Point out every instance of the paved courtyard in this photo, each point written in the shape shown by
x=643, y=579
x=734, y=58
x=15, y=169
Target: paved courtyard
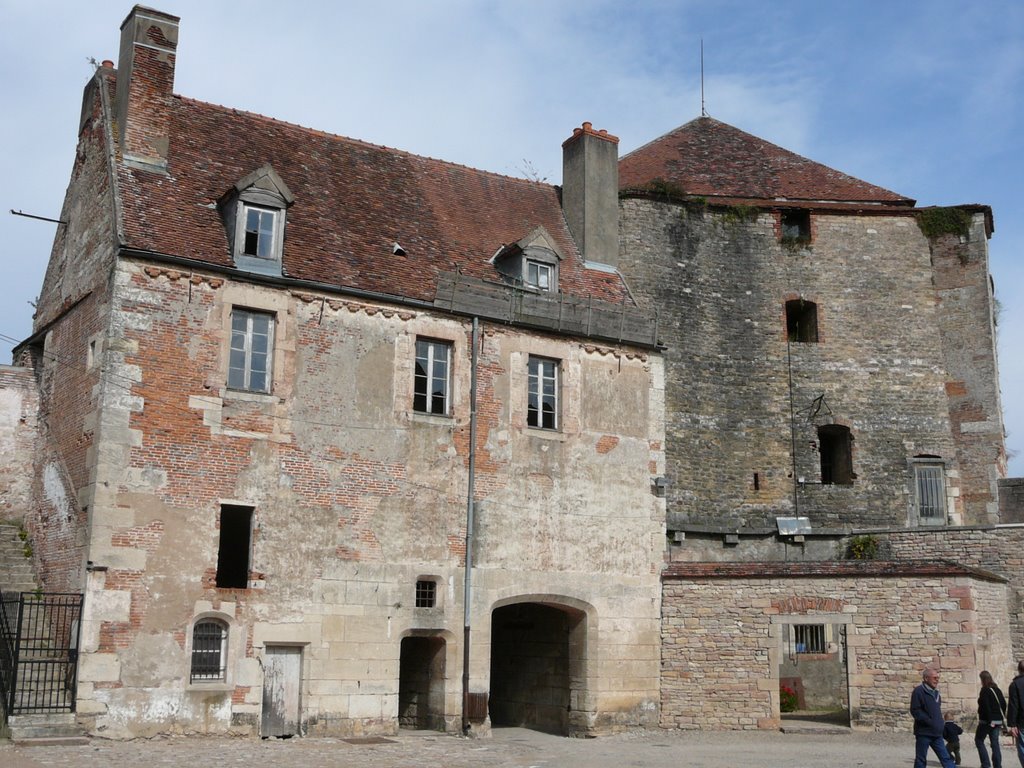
x=507, y=748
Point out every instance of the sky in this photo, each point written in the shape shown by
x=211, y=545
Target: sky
x=922, y=97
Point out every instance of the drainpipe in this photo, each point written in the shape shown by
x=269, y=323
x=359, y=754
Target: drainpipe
x=470, y=505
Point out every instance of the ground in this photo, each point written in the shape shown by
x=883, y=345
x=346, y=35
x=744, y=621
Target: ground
x=508, y=748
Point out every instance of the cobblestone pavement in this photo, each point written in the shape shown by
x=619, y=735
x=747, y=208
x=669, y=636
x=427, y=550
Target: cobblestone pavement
x=506, y=748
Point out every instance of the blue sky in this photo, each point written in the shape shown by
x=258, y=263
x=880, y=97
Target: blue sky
x=919, y=96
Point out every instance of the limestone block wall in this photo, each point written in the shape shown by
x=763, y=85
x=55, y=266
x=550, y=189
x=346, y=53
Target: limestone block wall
x=355, y=498
x=721, y=634
x=720, y=279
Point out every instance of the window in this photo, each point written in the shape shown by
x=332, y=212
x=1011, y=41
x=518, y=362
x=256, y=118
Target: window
x=809, y=638
x=802, y=321
x=252, y=339
x=235, y=546
x=539, y=275
x=209, y=651
x=542, y=401
x=259, y=232
x=835, y=447
x=796, y=226
x=930, y=493
x=432, y=380
x=426, y=593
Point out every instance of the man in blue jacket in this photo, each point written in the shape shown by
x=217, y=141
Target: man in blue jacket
x=926, y=707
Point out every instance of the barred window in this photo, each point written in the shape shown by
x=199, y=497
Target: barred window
x=426, y=593
x=809, y=638
x=209, y=650
x=930, y=493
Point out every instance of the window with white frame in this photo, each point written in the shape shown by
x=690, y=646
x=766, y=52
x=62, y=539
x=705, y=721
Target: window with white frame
x=259, y=237
x=542, y=397
x=539, y=275
x=252, y=340
x=930, y=492
x=209, y=651
x=432, y=379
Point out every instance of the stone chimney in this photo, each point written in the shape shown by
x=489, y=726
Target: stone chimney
x=145, y=80
x=590, y=192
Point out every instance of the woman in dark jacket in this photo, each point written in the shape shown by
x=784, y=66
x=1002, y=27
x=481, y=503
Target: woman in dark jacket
x=991, y=715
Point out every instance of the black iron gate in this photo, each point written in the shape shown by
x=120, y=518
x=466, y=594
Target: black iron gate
x=39, y=651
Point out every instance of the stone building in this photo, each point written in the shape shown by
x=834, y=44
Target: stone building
x=335, y=439
x=346, y=437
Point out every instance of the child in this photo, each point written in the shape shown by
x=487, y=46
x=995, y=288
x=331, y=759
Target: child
x=951, y=733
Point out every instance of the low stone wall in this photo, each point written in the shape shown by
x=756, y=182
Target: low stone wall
x=722, y=632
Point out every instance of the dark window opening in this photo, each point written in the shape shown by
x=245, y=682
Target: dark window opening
x=835, y=444
x=426, y=593
x=796, y=226
x=802, y=321
x=259, y=232
x=209, y=646
x=235, y=546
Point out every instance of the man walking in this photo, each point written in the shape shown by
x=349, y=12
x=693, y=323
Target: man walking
x=1015, y=710
x=926, y=707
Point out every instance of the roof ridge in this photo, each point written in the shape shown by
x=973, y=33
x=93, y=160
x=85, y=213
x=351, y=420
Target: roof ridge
x=358, y=142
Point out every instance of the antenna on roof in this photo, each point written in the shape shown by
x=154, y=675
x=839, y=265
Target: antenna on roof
x=703, y=112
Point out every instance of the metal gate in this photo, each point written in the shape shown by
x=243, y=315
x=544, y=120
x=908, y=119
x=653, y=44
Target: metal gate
x=39, y=651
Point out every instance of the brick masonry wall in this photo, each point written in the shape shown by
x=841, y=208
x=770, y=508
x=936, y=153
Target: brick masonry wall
x=722, y=644
x=721, y=282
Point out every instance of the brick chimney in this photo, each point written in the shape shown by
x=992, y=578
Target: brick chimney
x=145, y=80
x=590, y=192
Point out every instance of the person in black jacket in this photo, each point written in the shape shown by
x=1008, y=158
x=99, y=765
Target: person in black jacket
x=926, y=708
x=1015, y=712
x=951, y=733
x=991, y=709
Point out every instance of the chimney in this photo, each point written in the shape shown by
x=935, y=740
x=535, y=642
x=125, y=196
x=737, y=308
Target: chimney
x=590, y=192
x=145, y=80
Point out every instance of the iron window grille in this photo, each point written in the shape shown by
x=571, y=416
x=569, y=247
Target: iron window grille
x=209, y=651
x=426, y=593
x=809, y=638
x=930, y=484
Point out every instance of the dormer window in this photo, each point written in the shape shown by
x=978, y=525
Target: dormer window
x=259, y=232
x=539, y=275
x=254, y=217
x=530, y=263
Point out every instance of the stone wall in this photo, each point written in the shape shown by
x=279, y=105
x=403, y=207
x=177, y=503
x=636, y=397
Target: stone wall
x=355, y=497
x=722, y=636
x=1011, y=500
x=720, y=279
x=19, y=402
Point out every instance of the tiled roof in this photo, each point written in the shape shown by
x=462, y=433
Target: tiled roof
x=353, y=201
x=709, y=158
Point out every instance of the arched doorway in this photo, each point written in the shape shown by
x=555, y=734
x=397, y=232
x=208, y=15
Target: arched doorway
x=537, y=666
x=421, y=672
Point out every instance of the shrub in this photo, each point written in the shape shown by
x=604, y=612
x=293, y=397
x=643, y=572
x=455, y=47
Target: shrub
x=787, y=699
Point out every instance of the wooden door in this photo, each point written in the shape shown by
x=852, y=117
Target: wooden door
x=282, y=672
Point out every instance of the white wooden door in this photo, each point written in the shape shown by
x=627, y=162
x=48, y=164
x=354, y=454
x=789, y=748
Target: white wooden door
x=282, y=672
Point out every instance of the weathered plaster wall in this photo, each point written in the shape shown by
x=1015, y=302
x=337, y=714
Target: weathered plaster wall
x=722, y=643
x=720, y=280
x=355, y=498
x=19, y=402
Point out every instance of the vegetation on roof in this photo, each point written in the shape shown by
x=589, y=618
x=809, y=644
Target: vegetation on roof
x=935, y=222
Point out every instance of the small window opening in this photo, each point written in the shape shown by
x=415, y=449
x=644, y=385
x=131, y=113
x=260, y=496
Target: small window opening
x=235, y=546
x=835, y=447
x=757, y=482
x=930, y=492
x=539, y=275
x=802, y=321
x=259, y=232
x=809, y=638
x=796, y=226
x=209, y=650
x=426, y=593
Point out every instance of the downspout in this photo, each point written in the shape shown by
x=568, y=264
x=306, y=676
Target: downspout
x=468, y=589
